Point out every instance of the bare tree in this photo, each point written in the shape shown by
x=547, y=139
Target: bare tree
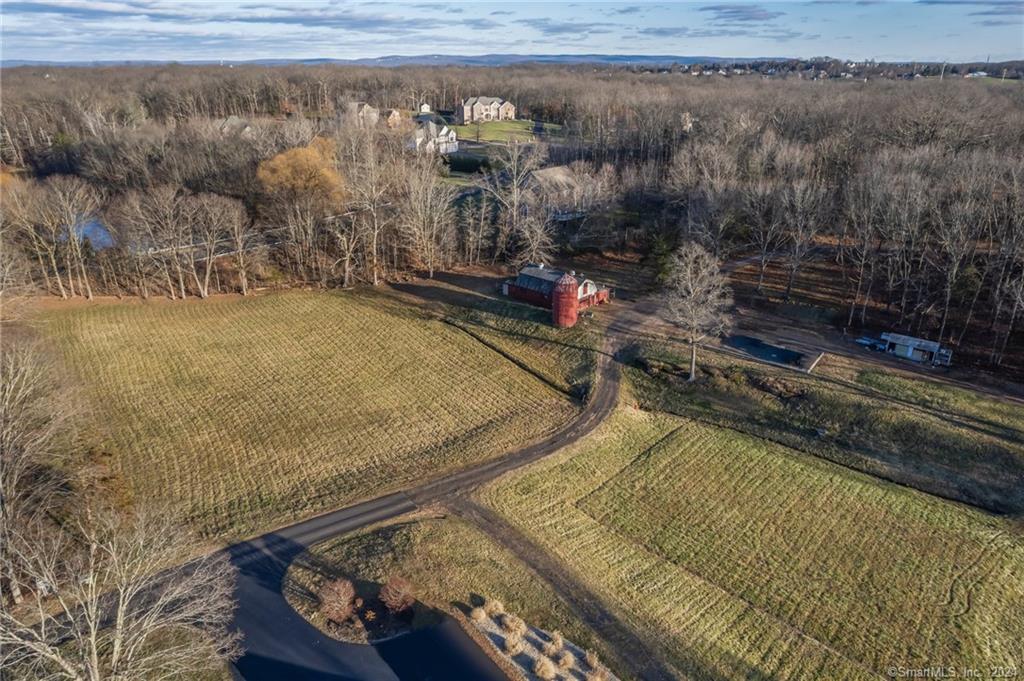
x=804, y=205
x=370, y=169
x=509, y=187
x=954, y=239
x=764, y=217
x=242, y=237
x=24, y=208
x=697, y=297
x=536, y=242
x=70, y=204
x=105, y=604
x=864, y=211
x=35, y=412
x=427, y=213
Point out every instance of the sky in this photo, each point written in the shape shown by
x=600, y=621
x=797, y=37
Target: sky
x=183, y=30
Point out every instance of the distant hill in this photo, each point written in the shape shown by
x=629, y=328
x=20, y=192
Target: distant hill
x=427, y=59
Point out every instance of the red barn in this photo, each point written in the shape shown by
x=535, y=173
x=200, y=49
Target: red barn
x=564, y=293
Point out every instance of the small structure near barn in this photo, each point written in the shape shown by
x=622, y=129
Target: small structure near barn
x=917, y=349
x=564, y=293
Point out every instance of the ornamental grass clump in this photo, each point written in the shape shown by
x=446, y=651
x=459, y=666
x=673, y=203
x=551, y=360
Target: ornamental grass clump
x=554, y=644
x=514, y=645
x=544, y=669
x=493, y=607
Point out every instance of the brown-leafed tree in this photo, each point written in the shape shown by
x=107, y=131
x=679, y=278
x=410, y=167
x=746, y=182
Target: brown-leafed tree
x=336, y=599
x=697, y=297
x=397, y=594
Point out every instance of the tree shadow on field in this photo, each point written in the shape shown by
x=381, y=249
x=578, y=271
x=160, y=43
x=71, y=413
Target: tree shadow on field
x=440, y=294
x=470, y=282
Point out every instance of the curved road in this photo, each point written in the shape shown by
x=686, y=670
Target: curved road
x=280, y=644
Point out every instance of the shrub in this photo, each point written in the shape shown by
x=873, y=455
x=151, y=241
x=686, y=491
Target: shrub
x=593, y=661
x=544, y=669
x=477, y=614
x=596, y=675
x=566, y=660
x=513, y=644
x=493, y=607
x=396, y=594
x=336, y=598
x=513, y=624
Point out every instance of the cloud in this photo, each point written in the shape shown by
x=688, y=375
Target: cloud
x=551, y=27
x=481, y=24
x=740, y=14
x=988, y=7
x=686, y=32
x=500, y=12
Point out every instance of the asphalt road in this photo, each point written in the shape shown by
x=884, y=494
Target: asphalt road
x=280, y=644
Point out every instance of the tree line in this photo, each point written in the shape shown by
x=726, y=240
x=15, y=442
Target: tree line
x=912, y=189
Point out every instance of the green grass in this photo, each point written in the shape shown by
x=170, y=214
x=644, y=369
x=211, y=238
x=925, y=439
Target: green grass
x=567, y=358
x=738, y=557
x=961, y=457
x=451, y=565
x=244, y=413
x=1007, y=415
x=503, y=131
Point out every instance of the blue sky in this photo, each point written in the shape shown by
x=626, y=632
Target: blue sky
x=933, y=30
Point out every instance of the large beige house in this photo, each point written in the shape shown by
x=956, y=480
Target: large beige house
x=485, y=109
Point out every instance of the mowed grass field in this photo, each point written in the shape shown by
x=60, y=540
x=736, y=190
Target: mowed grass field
x=243, y=413
x=741, y=558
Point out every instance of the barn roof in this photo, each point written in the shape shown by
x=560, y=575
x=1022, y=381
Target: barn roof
x=538, y=278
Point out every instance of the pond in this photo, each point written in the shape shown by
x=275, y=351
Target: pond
x=761, y=350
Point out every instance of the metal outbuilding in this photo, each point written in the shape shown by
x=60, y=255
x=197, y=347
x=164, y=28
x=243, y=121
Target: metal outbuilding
x=917, y=349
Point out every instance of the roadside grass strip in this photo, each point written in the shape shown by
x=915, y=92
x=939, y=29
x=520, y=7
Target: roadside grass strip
x=738, y=557
x=242, y=413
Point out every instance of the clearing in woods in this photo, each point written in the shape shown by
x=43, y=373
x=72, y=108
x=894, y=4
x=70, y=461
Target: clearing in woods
x=243, y=413
x=738, y=557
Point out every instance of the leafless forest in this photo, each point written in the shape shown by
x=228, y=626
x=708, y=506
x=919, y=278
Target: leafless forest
x=914, y=190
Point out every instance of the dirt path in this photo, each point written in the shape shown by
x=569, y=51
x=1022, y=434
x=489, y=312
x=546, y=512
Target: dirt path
x=630, y=649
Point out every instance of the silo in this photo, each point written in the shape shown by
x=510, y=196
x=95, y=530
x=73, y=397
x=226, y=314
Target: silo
x=565, y=301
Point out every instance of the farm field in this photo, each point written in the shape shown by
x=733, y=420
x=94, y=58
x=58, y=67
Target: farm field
x=242, y=413
x=564, y=358
x=504, y=131
x=974, y=454
x=738, y=557
x=452, y=566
